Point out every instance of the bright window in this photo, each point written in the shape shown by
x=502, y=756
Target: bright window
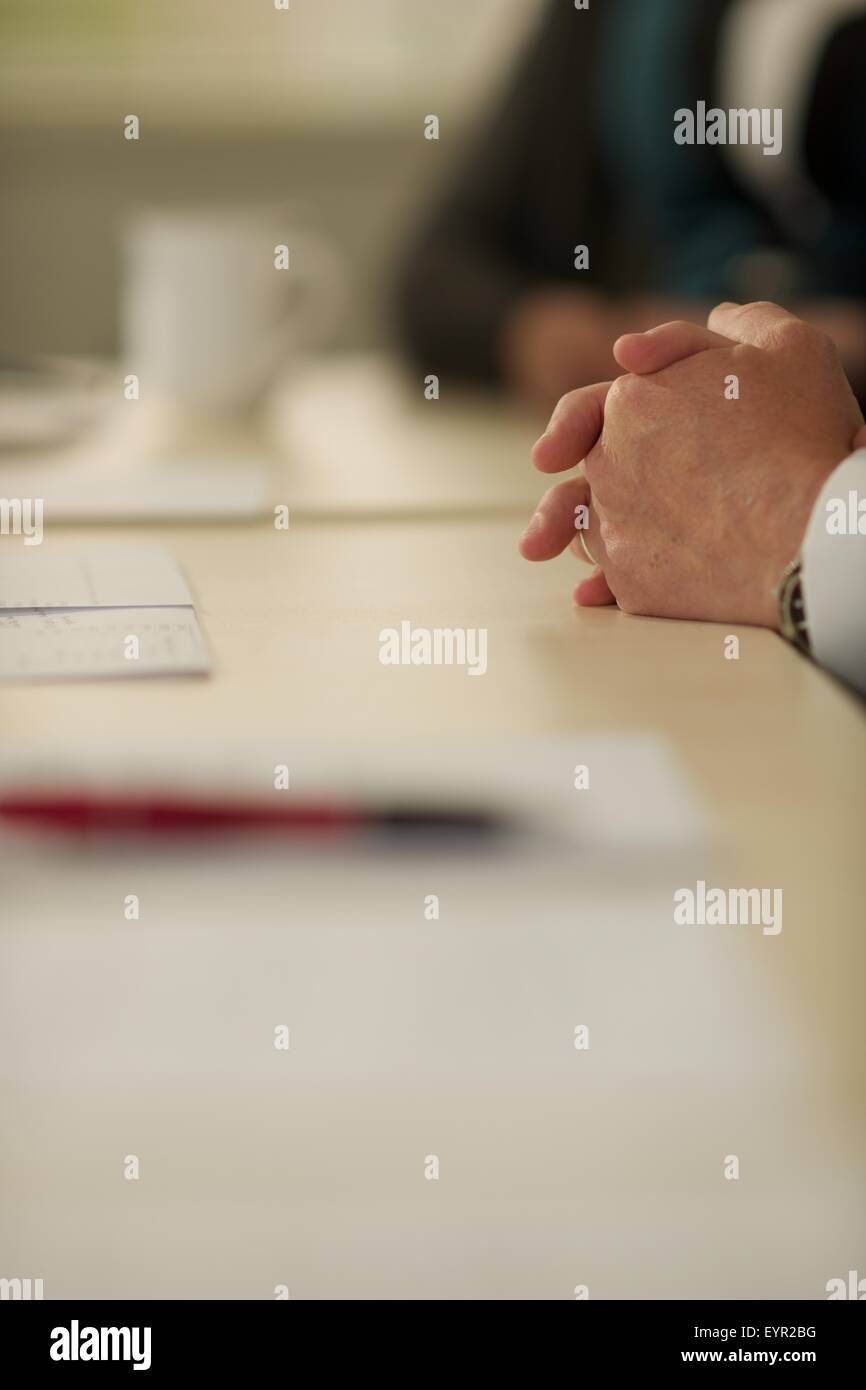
x=230, y=61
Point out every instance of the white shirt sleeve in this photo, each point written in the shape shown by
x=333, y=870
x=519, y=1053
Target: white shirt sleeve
x=834, y=573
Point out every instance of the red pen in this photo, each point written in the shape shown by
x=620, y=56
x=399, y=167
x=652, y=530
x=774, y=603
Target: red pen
x=167, y=815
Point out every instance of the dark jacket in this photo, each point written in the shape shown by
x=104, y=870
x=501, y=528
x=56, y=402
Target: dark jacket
x=579, y=150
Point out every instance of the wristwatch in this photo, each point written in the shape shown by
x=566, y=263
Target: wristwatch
x=792, y=609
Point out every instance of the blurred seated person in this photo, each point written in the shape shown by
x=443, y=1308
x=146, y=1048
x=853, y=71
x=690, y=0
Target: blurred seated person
x=581, y=152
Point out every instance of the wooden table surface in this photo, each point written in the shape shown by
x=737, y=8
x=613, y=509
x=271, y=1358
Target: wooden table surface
x=776, y=748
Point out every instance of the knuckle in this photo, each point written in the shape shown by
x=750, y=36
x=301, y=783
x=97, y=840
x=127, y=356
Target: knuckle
x=623, y=389
x=823, y=344
x=610, y=538
x=796, y=331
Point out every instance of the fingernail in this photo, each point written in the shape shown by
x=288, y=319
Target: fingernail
x=535, y=524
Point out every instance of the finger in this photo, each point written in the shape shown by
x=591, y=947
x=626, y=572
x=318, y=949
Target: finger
x=661, y=347
x=757, y=323
x=859, y=440
x=552, y=528
x=574, y=427
x=593, y=592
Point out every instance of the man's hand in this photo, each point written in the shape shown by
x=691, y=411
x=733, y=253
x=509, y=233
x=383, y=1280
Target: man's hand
x=701, y=466
x=556, y=337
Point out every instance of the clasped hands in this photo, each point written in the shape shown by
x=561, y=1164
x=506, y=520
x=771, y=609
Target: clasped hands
x=701, y=465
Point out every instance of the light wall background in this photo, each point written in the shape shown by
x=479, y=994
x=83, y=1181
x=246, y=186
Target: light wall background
x=324, y=103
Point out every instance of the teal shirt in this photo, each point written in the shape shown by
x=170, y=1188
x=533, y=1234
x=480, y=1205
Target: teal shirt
x=657, y=56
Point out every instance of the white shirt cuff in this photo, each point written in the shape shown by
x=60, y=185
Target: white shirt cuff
x=834, y=573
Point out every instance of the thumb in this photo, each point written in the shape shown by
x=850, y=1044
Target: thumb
x=859, y=440
x=641, y=353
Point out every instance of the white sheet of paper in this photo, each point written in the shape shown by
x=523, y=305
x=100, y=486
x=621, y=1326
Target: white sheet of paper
x=642, y=804
x=104, y=576
x=70, y=643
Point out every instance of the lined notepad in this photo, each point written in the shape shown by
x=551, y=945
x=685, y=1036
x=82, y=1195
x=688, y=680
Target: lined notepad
x=69, y=612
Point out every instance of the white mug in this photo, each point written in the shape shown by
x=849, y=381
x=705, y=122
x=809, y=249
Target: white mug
x=215, y=299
